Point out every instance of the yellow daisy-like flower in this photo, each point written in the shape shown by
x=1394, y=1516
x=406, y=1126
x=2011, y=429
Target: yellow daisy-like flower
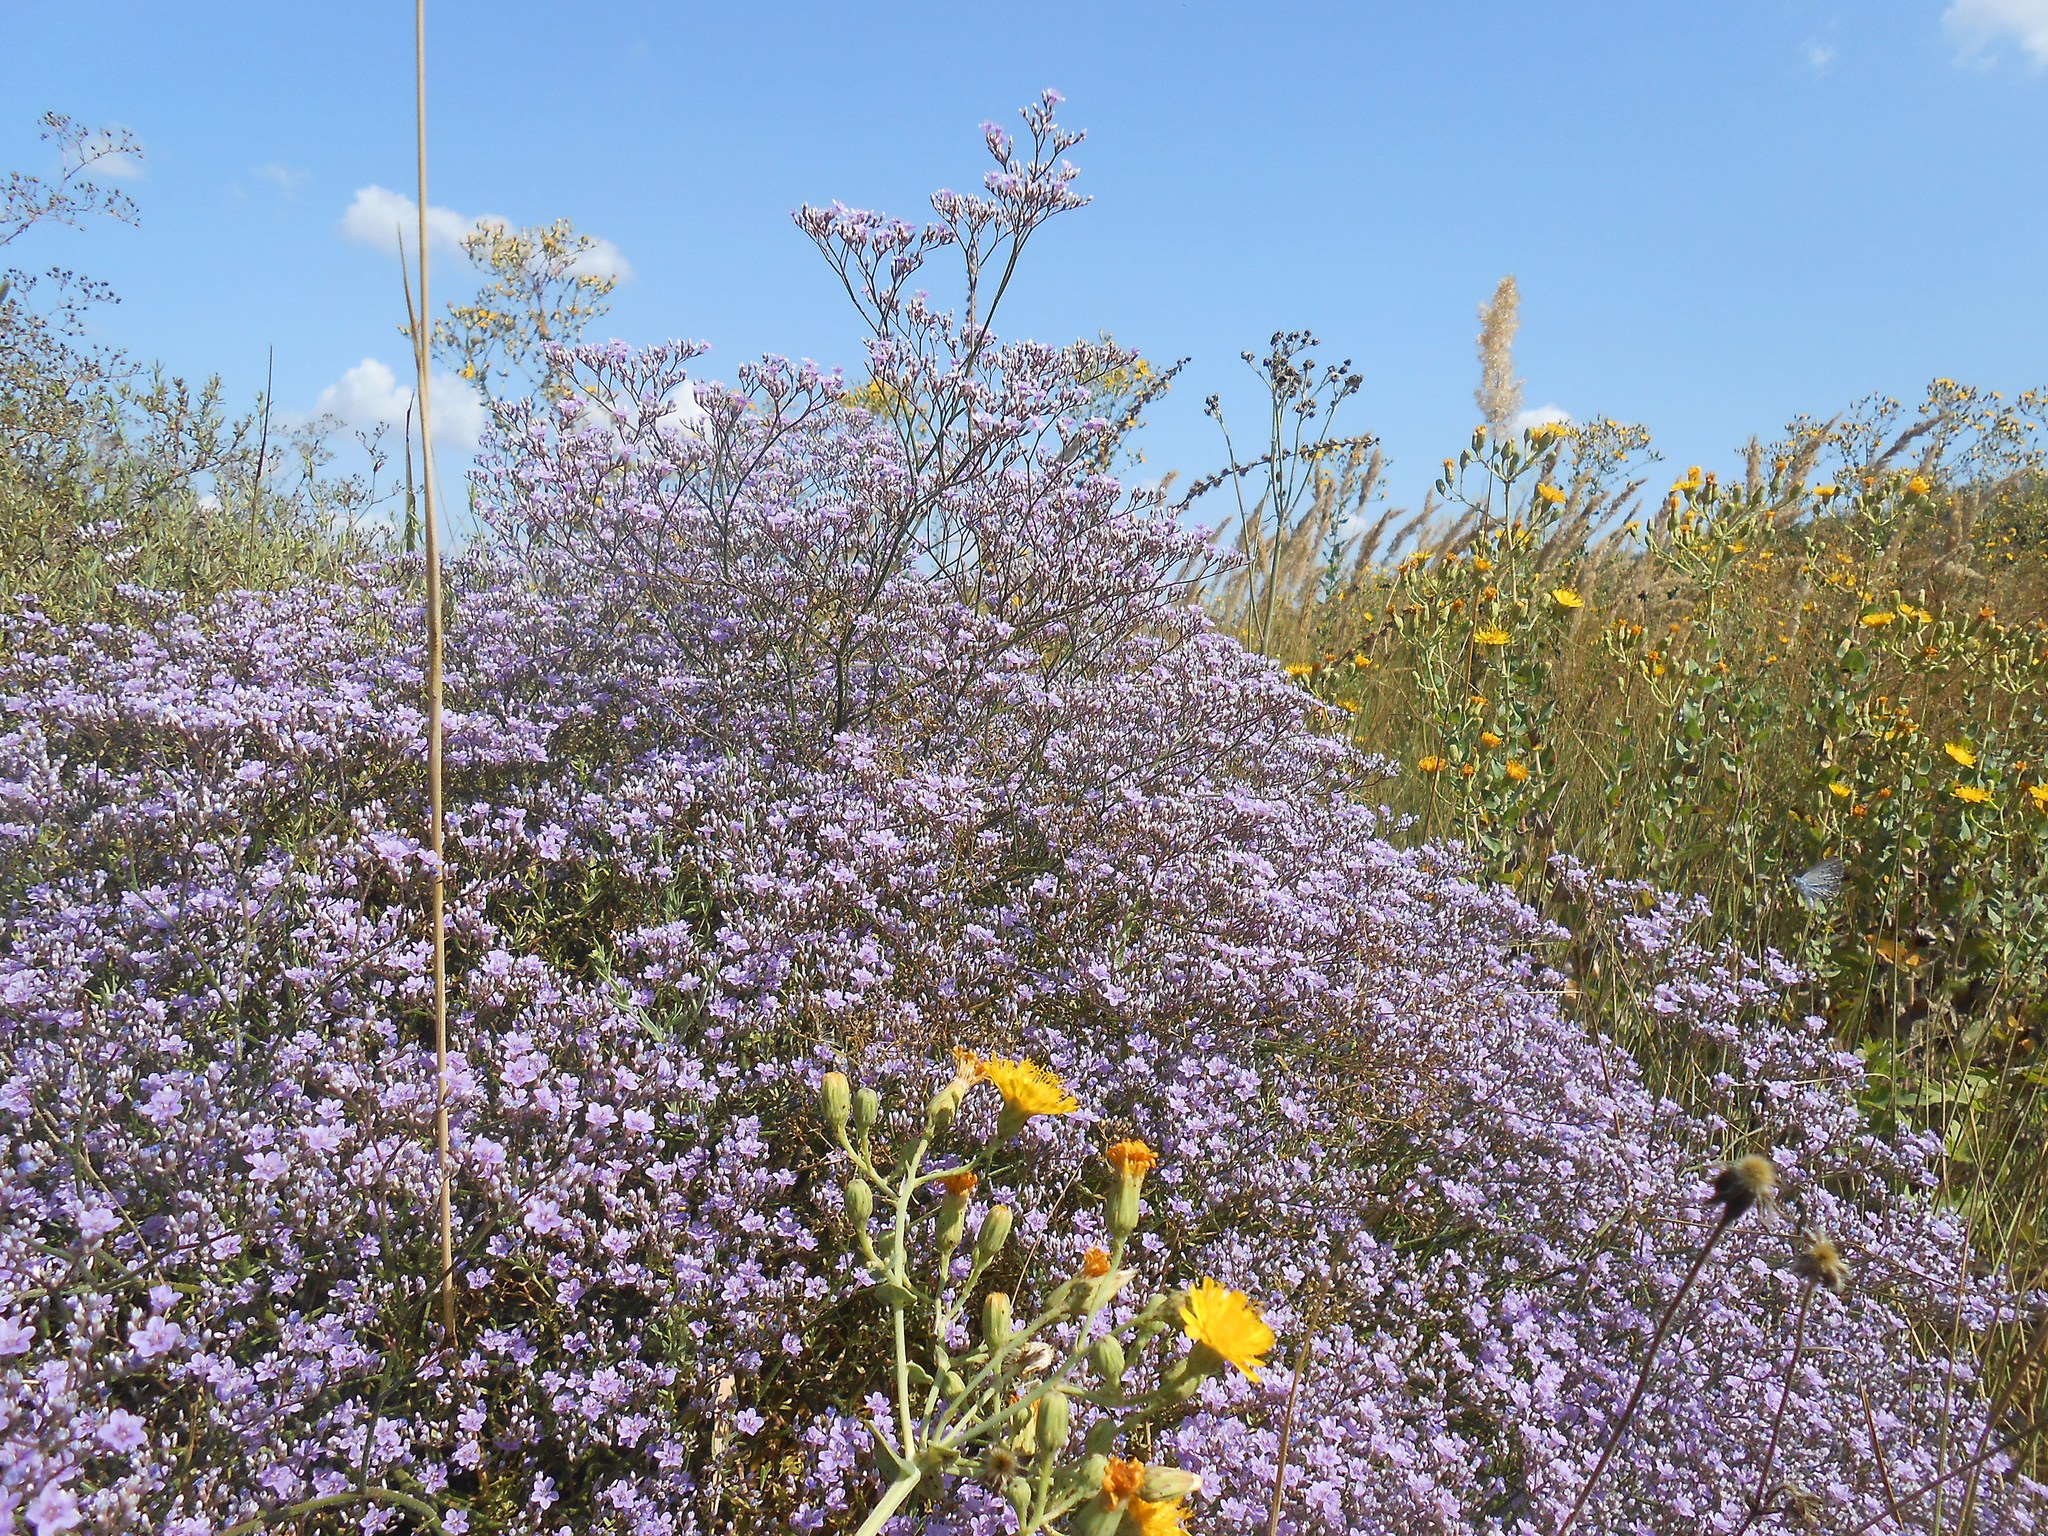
x=1432, y=764
x=1299, y=668
x=1157, y=1517
x=1516, y=770
x=1840, y=790
x=1490, y=636
x=1491, y=738
x=1228, y=1323
x=1481, y=564
x=1549, y=495
x=1565, y=597
x=1971, y=794
x=960, y=1185
x=2039, y=793
x=1827, y=492
x=1919, y=485
x=1877, y=620
x=1095, y=1263
x=1962, y=752
x=1027, y=1088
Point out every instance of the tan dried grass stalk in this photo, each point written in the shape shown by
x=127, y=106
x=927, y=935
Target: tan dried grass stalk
x=434, y=688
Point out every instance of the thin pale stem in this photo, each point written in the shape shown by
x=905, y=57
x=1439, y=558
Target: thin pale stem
x=1763, y=1475
x=1635, y=1398
x=434, y=691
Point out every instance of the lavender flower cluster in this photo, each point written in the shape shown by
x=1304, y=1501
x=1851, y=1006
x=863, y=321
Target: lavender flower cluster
x=798, y=734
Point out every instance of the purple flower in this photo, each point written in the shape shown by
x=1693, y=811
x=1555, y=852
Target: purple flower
x=158, y=1336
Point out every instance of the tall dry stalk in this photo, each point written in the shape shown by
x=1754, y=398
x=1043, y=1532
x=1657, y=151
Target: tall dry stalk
x=1499, y=395
x=434, y=680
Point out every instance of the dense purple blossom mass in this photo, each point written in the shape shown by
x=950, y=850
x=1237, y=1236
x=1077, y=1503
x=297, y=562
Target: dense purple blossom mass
x=815, y=736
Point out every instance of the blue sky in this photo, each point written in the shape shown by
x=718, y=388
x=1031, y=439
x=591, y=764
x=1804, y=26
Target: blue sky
x=1719, y=214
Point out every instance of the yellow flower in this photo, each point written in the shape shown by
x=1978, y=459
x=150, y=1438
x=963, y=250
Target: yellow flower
x=1095, y=1263
x=1300, y=668
x=1490, y=636
x=1971, y=794
x=960, y=1185
x=1027, y=1088
x=1840, y=790
x=1565, y=597
x=2039, y=792
x=1827, y=492
x=1226, y=1322
x=1157, y=1517
x=1876, y=620
x=1549, y=495
x=1490, y=738
x=1481, y=564
x=1517, y=770
x=1432, y=764
x=1919, y=485
x=1361, y=660
x=1121, y=1481
x=1131, y=1157
x=1962, y=752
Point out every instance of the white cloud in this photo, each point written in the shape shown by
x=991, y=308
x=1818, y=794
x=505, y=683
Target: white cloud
x=371, y=394
x=378, y=214
x=286, y=178
x=1980, y=25
x=1524, y=420
x=1819, y=56
x=107, y=160
x=603, y=259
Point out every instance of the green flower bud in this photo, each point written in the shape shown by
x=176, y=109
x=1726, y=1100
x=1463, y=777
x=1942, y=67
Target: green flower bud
x=867, y=1109
x=835, y=1097
x=1101, y=1440
x=1054, y=1420
x=938, y=1115
x=860, y=1203
x=1122, y=1212
x=1018, y=1493
x=1163, y=1484
x=995, y=1231
x=1106, y=1354
x=1098, y=1517
x=953, y=1211
x=995, y=1319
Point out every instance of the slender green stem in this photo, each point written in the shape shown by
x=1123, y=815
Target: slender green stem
x=405, y=1501
x=891, y=1501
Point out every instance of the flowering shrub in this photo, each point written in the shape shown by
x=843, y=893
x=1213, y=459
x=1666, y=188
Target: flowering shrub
x=808, y=736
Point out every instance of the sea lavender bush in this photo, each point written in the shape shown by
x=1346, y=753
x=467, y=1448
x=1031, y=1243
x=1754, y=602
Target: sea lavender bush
x=802, y=735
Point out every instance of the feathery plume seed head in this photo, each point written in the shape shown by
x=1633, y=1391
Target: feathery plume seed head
x=1748, y=1181
x=1499, y=395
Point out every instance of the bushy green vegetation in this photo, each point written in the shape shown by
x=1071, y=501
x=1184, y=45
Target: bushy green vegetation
x=114, y=475
x=1839, y=652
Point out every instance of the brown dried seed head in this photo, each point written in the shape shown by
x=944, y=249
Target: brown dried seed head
x=1747, y=1181
x=1820, y=1262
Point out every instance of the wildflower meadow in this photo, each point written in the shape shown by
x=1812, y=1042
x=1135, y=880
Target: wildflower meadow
x=976, y=1000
